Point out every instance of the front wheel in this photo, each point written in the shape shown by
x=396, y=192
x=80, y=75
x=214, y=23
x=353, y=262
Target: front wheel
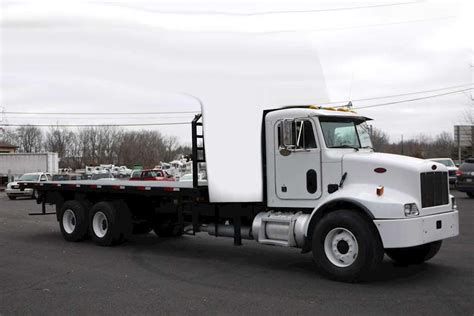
x=470, y=194
x=346, y=246
x=414, y=255
x=12, y=197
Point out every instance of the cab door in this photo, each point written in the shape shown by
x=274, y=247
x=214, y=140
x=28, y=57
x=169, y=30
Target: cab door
x=297, y=160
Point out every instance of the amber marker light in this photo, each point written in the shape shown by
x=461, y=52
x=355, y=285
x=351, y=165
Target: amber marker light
x=380, y=190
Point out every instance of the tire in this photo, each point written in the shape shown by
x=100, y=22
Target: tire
x=414, y=255
x=470, y=194
x=142, y=228
x=168, y=228
x=33, y=195
x=12, y=197
x=346, y=246
x=73, y=221
x=109, y=223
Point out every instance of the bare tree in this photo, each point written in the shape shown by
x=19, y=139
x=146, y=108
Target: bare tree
x=60, y=140
x=141, y=147
x=9, y=135
x=380, y=140
x=30, y=139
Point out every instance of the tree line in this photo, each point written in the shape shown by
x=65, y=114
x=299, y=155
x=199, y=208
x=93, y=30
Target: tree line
x=98, y=145
x=112, y=145
x=422, y=146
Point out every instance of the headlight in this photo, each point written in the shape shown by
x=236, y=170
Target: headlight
x=411, y=209
x=453, y=203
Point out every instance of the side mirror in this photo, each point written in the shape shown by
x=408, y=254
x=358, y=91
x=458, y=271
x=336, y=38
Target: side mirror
x=286, y=137
x=288, y=134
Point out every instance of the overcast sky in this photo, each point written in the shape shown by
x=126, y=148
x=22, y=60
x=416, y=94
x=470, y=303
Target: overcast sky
x=96, y=56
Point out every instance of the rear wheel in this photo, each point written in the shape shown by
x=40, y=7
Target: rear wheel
x=109, y=223
x=12, y=197
x=346, y=246
x=414, y=255
x=72, y=221
x=470, y=194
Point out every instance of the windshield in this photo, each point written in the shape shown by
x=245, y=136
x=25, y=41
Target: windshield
x=446, y=162
x=342, y=132
x=29, y=177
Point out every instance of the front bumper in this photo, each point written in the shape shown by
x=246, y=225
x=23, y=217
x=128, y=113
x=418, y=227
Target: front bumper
x=410, y=232
x=18, y=192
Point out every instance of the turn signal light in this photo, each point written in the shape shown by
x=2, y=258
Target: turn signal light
x=458, y=173
x=380, y=190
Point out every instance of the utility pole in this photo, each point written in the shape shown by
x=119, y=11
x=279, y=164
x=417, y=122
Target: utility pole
x=402, y=145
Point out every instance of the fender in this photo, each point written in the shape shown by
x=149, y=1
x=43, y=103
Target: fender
x=337, y=203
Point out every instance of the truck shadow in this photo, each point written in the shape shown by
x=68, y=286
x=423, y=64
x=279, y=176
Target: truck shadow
x=218, y=256
x=276, y=259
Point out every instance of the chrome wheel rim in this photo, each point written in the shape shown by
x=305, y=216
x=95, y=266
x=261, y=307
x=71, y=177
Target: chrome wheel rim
x=341, y=247
x=100, y=224
x=69, y=221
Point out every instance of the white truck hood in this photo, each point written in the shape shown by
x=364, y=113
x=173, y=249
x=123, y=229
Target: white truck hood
x=401, y=180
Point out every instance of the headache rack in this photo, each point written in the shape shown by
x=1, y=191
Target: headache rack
x=198, y=153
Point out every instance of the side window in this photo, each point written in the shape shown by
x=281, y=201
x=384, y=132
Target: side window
x=43, y=178
x=302, y=135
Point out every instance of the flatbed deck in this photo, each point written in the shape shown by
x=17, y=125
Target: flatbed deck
x=151, y=184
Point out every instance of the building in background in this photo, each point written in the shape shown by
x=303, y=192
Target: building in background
x=13, y=165
x=7, y=148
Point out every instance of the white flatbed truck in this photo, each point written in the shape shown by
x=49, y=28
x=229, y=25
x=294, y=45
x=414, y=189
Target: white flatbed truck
x=324, y=191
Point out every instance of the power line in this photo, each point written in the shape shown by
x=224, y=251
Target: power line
x=411, y=100
x=400, y=95
x=93, y=118
x=100, y=113
x=195, y=112
x=353, y=27
x=210, y=12
x=94, y=125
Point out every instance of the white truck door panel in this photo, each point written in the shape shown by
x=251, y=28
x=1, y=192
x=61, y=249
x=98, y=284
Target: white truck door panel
x=298, y=174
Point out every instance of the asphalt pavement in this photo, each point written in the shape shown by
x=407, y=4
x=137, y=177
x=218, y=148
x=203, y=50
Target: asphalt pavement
x=42, y=274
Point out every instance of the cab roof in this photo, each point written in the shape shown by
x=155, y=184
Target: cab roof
x=311, y=110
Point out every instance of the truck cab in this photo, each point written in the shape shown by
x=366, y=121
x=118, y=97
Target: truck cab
x=321, y=162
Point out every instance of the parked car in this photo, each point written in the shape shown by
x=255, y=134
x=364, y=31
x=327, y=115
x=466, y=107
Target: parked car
x=151, y=175
x=13, y=189
x=189, y=177
x=465, y=177
x=449, y=163
x=67, y=177
x=102, y=176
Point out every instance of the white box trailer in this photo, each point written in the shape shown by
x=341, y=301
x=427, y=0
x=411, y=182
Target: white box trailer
x=323, y=190
x=16, y=164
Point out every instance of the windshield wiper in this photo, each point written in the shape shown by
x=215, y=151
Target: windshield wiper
x=346, y=146
x=367, y=147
